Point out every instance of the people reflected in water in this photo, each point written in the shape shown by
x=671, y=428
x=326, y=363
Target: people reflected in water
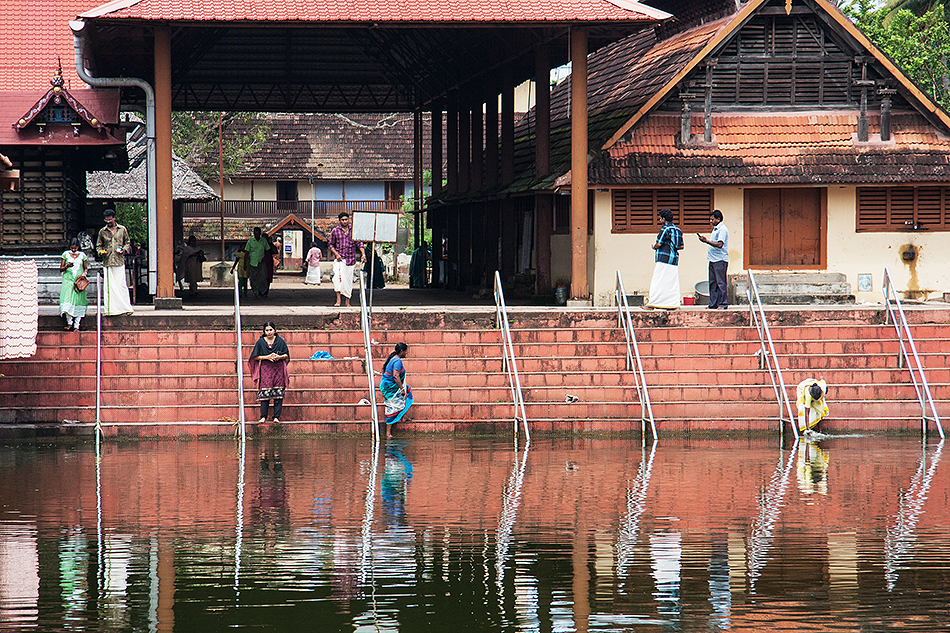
x=394, y=484
x=270, y=508
x=812, y=469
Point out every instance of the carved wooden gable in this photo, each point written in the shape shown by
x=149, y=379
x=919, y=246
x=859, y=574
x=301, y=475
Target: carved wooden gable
x=786, y=55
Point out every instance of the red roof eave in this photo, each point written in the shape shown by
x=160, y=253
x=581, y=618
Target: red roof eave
x=394, y=12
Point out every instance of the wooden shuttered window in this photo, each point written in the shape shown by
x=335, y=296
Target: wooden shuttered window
x=635, y=210
x=903, y=209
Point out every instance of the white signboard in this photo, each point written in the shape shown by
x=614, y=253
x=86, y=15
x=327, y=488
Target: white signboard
x=374, y=227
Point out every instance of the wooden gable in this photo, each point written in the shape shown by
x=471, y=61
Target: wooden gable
x=786, y=59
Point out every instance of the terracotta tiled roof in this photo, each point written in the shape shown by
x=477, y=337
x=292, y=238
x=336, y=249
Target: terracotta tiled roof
x=34, y=38
x=794, y=147
x=336, y=147
x=621, y=78
x=377, y=10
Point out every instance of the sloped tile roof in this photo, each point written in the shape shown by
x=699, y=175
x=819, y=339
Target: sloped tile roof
x=336, y=147
x=34, y=38
x=777, y=148
x=405, y=11
x=621, y=78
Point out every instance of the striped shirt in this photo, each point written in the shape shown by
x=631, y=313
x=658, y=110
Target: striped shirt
x=670, y=240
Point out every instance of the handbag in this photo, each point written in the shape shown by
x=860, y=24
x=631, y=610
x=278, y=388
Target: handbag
x=81, y=284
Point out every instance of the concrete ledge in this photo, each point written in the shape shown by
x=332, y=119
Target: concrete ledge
x=167, y=303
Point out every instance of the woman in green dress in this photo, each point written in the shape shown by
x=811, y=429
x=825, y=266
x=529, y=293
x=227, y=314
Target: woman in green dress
x=73, y=302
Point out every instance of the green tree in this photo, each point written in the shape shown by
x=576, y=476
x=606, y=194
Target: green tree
x=920, y=45
x=134, y=217
x=195, y=139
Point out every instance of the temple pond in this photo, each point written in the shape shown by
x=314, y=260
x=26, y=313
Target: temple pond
x=471, y=534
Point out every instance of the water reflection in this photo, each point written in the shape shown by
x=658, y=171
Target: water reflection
x=812, y=468
x=902, y=534
x=771, y=501
x=460, y=533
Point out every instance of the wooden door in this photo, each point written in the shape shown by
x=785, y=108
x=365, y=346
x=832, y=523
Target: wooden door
x=784, y=228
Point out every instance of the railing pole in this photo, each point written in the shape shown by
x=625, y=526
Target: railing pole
x=240, y=360
x=771, y=357
x=634, y=362
x=98, y=354
x=368, y=354
x=509, y=358
x=903, y=328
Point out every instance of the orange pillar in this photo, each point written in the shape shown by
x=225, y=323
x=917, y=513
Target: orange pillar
x=164, y=223
x=579, y=288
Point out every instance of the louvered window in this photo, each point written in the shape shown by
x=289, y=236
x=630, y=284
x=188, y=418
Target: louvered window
x=903, y=208
x=635, y=210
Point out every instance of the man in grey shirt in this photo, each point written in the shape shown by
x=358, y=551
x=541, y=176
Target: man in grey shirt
x=718, y=257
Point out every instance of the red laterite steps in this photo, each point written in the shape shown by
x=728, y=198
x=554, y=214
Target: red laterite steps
x=702, y=371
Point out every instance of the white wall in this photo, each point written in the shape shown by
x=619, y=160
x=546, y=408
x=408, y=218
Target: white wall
x=853, y=253
x=849, y=252
x=634, y=257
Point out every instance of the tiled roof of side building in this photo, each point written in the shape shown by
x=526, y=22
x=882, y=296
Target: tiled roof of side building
x=816, y=147
x=336, y=147
x=405, y=11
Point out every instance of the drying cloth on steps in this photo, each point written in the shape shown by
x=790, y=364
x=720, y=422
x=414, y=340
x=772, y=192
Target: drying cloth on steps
x=321, y=355
x=19, y=308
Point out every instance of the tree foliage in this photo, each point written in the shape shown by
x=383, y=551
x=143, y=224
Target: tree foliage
x=195, y=139
x=134, y=217
x=919, y=44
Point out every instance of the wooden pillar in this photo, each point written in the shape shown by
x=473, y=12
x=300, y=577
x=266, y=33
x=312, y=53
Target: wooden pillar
x=164, y=220
x=465, y=144
x=478, y=135
x=579, y=289
x=452, y=144
x=465, y=271
x=507, y=128
x=417, y=195
x=436, y=140
x=544, y=203
x=491, y=139
x=452, y=233
x=509, y=239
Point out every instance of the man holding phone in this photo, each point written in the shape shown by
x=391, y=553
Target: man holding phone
x=718, y=258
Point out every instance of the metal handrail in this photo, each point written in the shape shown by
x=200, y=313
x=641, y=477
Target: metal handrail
x=921, y=387
x=509, y=350
x=98, y=355
x=240, y=360
x=634, y=363
x=767, y=355
x=368, y=354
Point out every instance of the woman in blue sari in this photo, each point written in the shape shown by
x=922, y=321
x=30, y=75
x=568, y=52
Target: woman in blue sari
x=398, y=396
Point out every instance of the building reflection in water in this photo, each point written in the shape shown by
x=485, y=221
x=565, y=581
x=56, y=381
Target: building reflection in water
x=720, y=593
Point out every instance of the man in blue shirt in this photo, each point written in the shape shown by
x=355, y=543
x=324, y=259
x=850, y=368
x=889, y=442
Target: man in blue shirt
x=665, y=286
x=718, y=257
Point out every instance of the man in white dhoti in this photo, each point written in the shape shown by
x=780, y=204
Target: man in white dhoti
x=665, y=286
x=112, y=245
x=343, y=249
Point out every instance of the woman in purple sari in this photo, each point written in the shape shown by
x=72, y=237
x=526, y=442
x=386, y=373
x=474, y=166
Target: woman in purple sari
x=269, y=370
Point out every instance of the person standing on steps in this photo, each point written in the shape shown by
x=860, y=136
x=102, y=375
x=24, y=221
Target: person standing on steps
x=397, y=394
x=343, y=249
x=718, y=258
x=269, y=373
x=113, y=244
x=313, y=265
x=665, y=286
x=72, y=300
